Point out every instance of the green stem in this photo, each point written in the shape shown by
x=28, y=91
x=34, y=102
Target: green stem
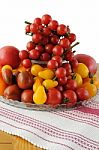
x=74, y=45
x=27, y=22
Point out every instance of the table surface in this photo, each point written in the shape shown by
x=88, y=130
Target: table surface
x=10, y=142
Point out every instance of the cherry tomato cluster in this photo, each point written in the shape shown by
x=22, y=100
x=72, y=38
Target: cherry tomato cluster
x=52, y=43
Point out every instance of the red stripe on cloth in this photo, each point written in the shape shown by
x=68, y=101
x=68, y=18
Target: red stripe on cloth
x=89, y=110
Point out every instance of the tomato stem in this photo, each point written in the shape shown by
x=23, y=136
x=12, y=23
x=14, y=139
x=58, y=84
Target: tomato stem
x=27, y=22
x=74, y=45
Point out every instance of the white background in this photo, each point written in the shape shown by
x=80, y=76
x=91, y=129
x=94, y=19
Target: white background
x=81, y=15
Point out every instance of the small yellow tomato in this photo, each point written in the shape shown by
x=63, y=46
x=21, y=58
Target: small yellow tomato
x=35, y=69
x=7, y=67
x=78, y=78
x=82, y=70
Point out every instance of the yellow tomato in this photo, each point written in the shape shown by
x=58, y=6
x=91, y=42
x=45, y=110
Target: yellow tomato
x=91, y=88
x=82, y=70
x=6, y=67
x=78, y=79
x=35, y=69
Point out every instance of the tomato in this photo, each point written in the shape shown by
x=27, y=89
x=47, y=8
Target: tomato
x=45, y=57
x=34, y=54
x=34, y=28
x=58, y=59
x=49, y=48
x=53, y=25
x=23, y=54
x=58, y=50
x=26, y=63
x=30, y=45
x=54, y=39
x=72, y=37
x=69, y=55
x=65, y=43
x=37, y=21
x=27, y=28
x=62, y=81
x=52, y=64
x=78, y=79
x=60, y=72
x=70, y=98
x=40, y=48
x=37, y=37
x=46, y=19
x=74, y=63
x=46, y=31
x=91, y=88
x=82, y=94
x=82, y=70
x=67, y=66
x=45, y=40
x=93, y=80
x=54, y=97
x=71, y=85
x=61, y=29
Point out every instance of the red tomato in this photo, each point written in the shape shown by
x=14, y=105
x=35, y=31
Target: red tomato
x=70, y=98
x=46, y=19
x=49, y=48
x=58, y=50
x=72, y=37
x=60, y=88
x=37, y=37
x=45, y=56
x=53, y=25
x=27, y=28
x=52, y=64
x=61, y=29
x=54, y=39
x=34, y=28
x=23, y=54
x=71, y=84
x=65, y=43
x=37, y=21
x=27, y=63
x=60, y=72
x=58, y=59
x=34, y=54
x=68, y=68
x=62, y=81
x=82, y=94
x=30, y=45
x=54, y=97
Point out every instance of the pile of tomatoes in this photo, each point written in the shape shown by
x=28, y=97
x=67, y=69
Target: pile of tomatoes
x=52, y=43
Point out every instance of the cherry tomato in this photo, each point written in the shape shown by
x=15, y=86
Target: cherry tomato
x=46, y=31
x=27, y=28
x=49, y=48
x=53, y=25
x=58, y=50
x=74, y=63
x=67, y=66
x=58, y=59
x=65, y=43
x=34, y=28
x=82, y=94
x=77, y=77
x=61, y=29
x=52, y=64
x=60, y=72
x=30, y=45
x=23, y=54
x=69, y=55
x=34, y=54
x=54, y=39
x=45, y=40
x=72, y=37
x=71, y=84
x=37, y=21
x=46, y=19
x=62, y=81
x=45, y=56
x=37, y=37
x=40, y=48
x=70, y=98
x=26, y=63
x=54, y=97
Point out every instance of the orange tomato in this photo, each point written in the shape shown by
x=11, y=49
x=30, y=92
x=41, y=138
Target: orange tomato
x=3, y=85
x=92, y=89
x=93, y=80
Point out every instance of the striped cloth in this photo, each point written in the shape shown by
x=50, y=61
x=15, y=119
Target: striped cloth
x=56, y=130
